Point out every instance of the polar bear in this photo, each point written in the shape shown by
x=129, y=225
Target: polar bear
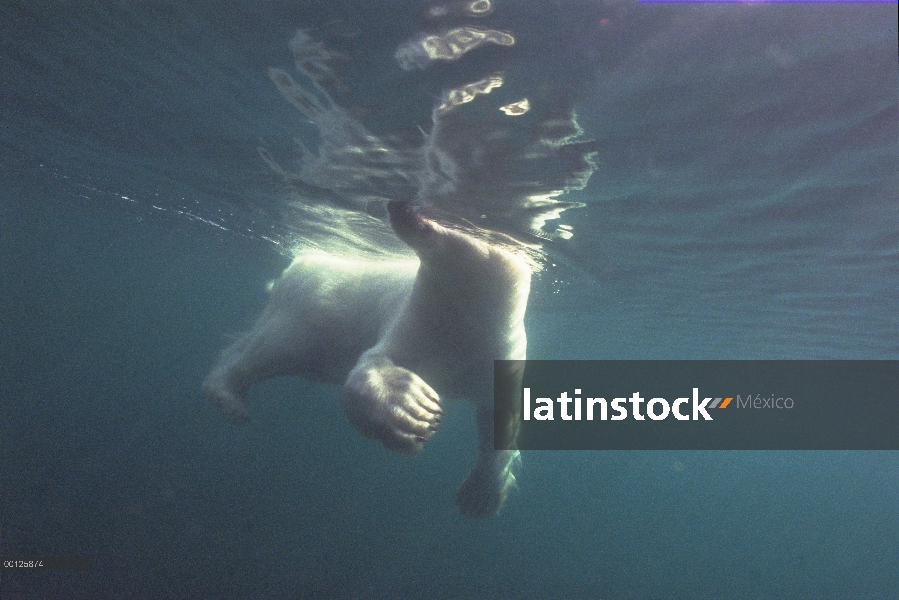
x=400, y=336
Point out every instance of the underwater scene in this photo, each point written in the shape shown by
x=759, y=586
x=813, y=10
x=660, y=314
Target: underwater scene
x=433, y=178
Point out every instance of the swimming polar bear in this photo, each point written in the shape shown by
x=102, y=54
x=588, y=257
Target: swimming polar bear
x=394, y=333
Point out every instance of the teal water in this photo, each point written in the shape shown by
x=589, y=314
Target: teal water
x=745, y=205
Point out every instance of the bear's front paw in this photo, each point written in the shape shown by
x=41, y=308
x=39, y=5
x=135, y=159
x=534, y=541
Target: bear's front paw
x=393, y=405
x=486, y=488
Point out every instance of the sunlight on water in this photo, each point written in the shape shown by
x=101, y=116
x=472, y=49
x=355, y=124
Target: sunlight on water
x=450, y=45
x=479, y=170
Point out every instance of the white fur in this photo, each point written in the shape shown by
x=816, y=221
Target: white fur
x=399, y=336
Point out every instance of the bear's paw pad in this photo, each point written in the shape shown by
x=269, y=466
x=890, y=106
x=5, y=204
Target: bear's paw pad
x=394, y=406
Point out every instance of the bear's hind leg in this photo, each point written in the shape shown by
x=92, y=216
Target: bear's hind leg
x=226, y=386
x=274, y=347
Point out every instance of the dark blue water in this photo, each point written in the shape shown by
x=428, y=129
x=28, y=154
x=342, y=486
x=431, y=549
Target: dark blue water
x=745, y=205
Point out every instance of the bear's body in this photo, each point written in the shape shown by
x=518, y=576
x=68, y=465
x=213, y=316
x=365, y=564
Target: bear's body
x=395, y=334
